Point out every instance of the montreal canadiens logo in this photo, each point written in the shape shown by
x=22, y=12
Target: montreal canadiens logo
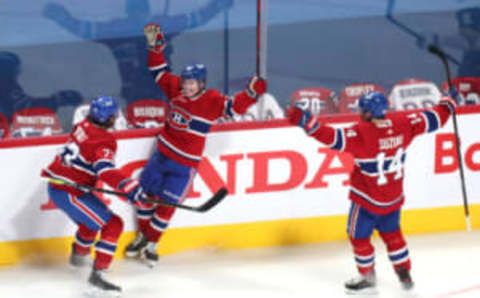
x=179, y=118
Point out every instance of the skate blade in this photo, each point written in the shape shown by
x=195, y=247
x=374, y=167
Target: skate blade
x=132, y=254
x=92, y=291
x=149, y=263
x=366, y=291
x=78, y=267
x=408, y=287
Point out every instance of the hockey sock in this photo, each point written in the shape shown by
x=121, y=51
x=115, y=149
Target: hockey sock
x=397, y=249
x=364, y=255
x=159, y=222
x=84, y=239
x=106, y=246
x=144, y=215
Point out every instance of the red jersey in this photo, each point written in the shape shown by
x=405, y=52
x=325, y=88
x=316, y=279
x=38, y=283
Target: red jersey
x=379, y=152
x=88, y=155
x=318, y=100
x=35, y=122
x=467, y=87
x=348, y=98
x=147, y=113
x=189, y=119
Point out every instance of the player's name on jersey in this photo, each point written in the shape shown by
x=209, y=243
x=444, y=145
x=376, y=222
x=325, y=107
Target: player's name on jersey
x=46, y=120
x=416, y=91
x=359, y=90
x=149, y=112
x=390, y=142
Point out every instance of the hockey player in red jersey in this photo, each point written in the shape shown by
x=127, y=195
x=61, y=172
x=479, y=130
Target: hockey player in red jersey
x=378, y=144
x=193, y=109
x=89, y=155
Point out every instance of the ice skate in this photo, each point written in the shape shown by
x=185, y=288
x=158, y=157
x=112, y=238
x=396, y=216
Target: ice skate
x=362, y=284
x=405, y=278
x=134, y=248
x=99, y=287
x=149, y=254
x=78, y=261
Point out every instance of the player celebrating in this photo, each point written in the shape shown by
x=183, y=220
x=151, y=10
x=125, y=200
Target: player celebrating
x=170, y=171
x=88, y=156
x=377, y=143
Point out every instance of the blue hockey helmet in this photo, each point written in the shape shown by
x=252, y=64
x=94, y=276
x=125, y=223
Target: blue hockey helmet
x=194, y=71
x=102, y=108
x=374, y=102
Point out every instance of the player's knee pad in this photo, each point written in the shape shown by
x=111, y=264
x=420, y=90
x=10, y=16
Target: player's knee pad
x=86, y=233
x=393, y=240
x=113, y=228
x=362, y=246
x=165, y=212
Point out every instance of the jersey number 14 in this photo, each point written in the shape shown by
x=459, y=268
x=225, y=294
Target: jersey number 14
x=389, y=165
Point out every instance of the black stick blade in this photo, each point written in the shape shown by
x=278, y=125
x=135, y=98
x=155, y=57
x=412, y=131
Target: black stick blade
x=217, y=198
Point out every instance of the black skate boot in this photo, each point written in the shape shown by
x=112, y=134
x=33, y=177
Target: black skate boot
x=405, y=278
x=78, y=261
x=134, y=248
x=98, y=286
x=363, y=284
x=149, y=254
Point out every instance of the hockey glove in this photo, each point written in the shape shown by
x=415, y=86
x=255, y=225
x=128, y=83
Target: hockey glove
x=155, y=38
x=449, y=102
x=133, y=190
x=256, y=87
x=303, y=118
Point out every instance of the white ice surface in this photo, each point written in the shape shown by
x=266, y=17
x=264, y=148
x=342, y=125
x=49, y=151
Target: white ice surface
x=444, y=265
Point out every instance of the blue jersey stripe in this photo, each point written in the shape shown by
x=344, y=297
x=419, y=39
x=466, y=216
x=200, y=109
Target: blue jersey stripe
x=339, y=143
x=100, y=166
x=155, y=72
x=432, y=121
x=77, y=162
x=229, y=109
x=199, y=126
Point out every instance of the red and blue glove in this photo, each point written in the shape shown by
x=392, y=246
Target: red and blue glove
x=155, y=39
x=303, y=118
x=256, y=87
x=134, y=191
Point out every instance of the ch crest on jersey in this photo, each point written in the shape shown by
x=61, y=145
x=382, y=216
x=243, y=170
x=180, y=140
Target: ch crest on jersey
x=179, y=118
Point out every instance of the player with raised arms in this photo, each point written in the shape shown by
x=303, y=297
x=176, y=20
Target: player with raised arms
x=378, y=144
x=88, y=156
x=193, y=109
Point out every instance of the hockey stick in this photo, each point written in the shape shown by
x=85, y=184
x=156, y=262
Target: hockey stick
x=440, y=54
x=209, y=204
x=226, y=51
x=262, y=27
x=259, y=38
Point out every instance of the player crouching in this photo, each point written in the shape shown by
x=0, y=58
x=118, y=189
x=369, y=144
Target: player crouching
x=89, y=155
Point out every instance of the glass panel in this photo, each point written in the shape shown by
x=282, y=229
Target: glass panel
x=58, y=55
